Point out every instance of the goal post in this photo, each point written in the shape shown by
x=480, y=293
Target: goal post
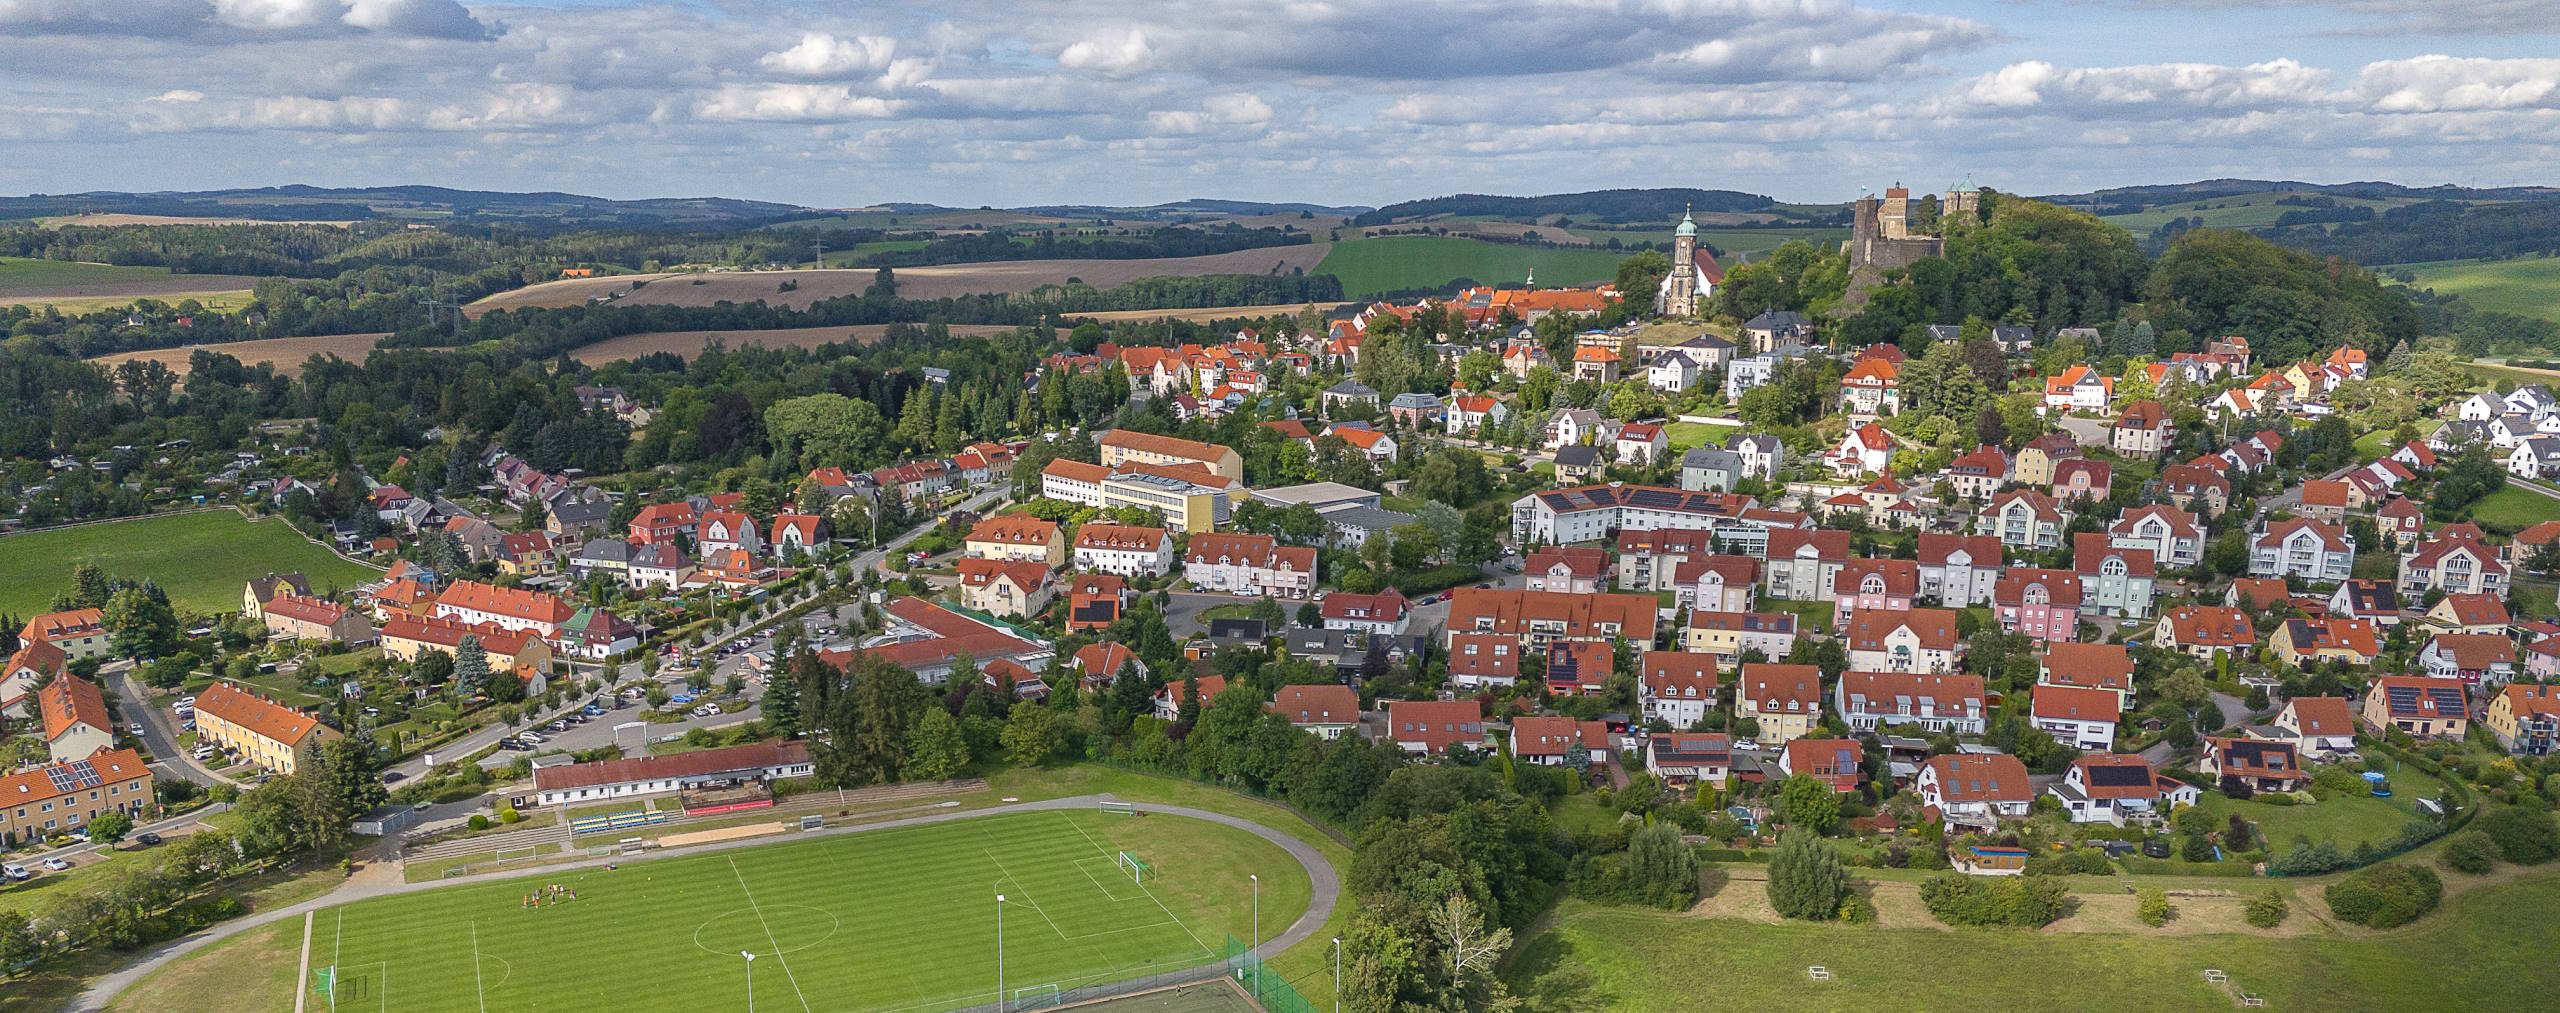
x=1119, y=808
x=325, y=982
x=1035, y=996
x=1138, y=871
x=505, y=855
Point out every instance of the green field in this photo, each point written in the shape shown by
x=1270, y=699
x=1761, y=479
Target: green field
x=26, y=274
x=200, y=558
x=2515, y=508
x=2235, y=212
x=901, y=919
x=2526, y=286
x=2345, y=821
x=76, y=287
x=1396, y=263
x=2485, y=949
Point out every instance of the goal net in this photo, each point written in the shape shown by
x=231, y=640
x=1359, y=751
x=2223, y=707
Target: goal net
x=504, y=855
x=1119, y=808
x=1035, y=996
x=1139, y=872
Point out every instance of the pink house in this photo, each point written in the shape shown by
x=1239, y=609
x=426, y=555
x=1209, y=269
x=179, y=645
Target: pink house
x=1886, y=585
x=2042, y=604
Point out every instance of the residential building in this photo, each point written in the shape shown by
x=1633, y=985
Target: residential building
x=1690, y=757
x=2468, y=613
x=77, y=633
x=2202, y=630
x=1804, y=565
x=2196, y=487
x=2035, y=461
x=257, y=591
x=264, y=732
x=1728, y=635
x=596, y=634
x=1249, y=565
x=1018, y=538
x=1641, y=443
x=1328, y=710
x=1010, y=589
x=2455, y=564
x=1835, y=762
x=1676, y=688
x=1717, y=583
x=2113, y=581
x=1871, y=389
x=1958, y=571
x=1385, y=613
x=660, y=523
x=1872, y=584
x=567, y=784
x=1866, y=450
x=2117, y=789
x=1468, y=413
x=475, y=604
x=2143, y=431
x=1430, y=727
x=2317, y=725
x=75, y=719
x=2027, y=521
x=33, y=662
x=2525, y=719
x=1579, y=465
x=2082, y=481
x=1978, y=474
x=2302, y=547
x=2423, y=707
x=48, y=801
x=296, y=617
x=1974, y=790
x=1762, y=455
x=1123, y=446
x=1784, y=701
x=1123, y=549
x=2302, y=642
x=2475, y=659
x=2173, y=537
x=1094, y=601
x=1869, y=701
x=1575, y=569
x=1483, y=661
x=1590, y=513
x=2042, y=605
x=1920, y=640
x=522, y=652
x=2079, y=718
x=928, y=639
x=2103, y=667
x=2078, y=389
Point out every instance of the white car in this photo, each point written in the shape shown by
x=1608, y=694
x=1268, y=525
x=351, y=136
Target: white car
x=57, y=865
x=529, y=738
x=16, y=873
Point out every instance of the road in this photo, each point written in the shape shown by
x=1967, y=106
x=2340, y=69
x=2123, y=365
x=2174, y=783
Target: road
x=159, y=734
x=1325, y=886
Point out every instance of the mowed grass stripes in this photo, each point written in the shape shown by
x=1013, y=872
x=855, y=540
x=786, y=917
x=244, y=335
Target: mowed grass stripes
x=899, y=919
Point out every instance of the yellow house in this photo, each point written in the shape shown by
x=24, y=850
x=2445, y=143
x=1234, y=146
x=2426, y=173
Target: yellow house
x=1122, y=446
x=2526, y=719
x=2301, y=642
x=263, y=731
x=1018, y=538
x=1786, y=700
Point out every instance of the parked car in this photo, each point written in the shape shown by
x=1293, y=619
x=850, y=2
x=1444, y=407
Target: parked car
x=148, y=838
x=57, y=865
x=16, y=873
x=136, y=729
x=529, y=738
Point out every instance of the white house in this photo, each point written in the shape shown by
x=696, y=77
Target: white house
x=1125, y=549
x=2117, y=789
x=1866, y=450
x=1678, y=688
x=659, y=775
x=2172, y=536
x=2302, y=547
x=1673, y=371
x=1761, y=454
x=1974, y=789
x=2082, y=718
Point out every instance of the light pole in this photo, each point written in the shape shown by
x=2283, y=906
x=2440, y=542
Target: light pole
x=999, y=953
x=1337, y=974
x=1257, y=934
x=751, y=979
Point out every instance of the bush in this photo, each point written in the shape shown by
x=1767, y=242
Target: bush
x=2385, y=896
x=477, y=822
x=2153, y=906
x=1806, y=879
x=2470, y=851
x=2524, y=836
x=2277, y=798
x=2308, y=860
x=2019, y=902
x=1857, y=910
x=508, y=814
x=2267, y=910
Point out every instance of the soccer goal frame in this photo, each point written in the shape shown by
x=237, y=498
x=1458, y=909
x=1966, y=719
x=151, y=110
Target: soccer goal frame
x=1138, y=870
x=1118, y=808
x=505, y=855
x=1035, y=996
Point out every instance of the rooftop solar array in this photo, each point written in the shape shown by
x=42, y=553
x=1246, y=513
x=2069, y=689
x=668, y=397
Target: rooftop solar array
x=73, y=776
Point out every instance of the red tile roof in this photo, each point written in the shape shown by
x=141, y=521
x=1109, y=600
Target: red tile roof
x=2211, y=626
x=262, y=717
x=1317, y=704
x=702, y=763
x=2072, y=703
x=1981, y=777
x=514, y=603
x=70, y=700
x=36, y=784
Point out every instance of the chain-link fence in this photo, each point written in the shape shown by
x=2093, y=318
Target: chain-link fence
x=1273, y=992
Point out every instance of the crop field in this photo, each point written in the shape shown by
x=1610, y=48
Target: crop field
x=1203, y=314
x=2236, y=212
x=686, y=343
x=935, y=282
x=68, y=284
x=1396, y=263
x=200, y=558
x=120, y=218
x=288, y=354
x=897, y=919
x=2525, y=286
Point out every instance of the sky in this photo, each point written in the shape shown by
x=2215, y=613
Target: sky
x=1022, y=102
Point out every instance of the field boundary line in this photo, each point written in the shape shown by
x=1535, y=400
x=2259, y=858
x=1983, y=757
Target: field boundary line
x=1097, y=882
x=478, y=988
x=302, y=979
x=1025, y=891
x=768, y=936
x=1142, y=887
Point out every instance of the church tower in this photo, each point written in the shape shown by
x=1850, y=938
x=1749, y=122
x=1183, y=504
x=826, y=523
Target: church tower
x=1679, y=296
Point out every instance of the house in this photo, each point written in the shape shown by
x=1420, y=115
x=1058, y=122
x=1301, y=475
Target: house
x=2469, y=613
x=2418, y=705
x=1551, y=741
x=1974, y=790
x=2301, y=642
x=2197, y=487
x=1249, y=564
x=2173, y=537
x=33, y=662
x=2203, y=630
x=595, y=634
x=1483, y=661
x=1866, y=450
x=721, y=530
x=2082, y=480
x=1328, y=710
x=1772, y=328
x=1762, y=455
x=264, y=732
x=1689, y=758
x=1881, y=584
x=75, y=720
x=1835, y=762
x=475, y=604
x=2257, y=594
x=1729, y=635
x=2475, y=659
x=2254, y=764
x=40, y=802
x=1123, y=446
x=1006, y=588
x=2113, y=581
x=2455, y=563
x=659, y=565
x=1920, y=640
x=2302, y=547
x=2075, y=717
x=2035, y=462
x=1378, y=448
x=1803, y=565
x=2372, y=600
x=1171, y=698
x=1715, y=583
x=77, y=633
x=1429, y=727
x=796, y=535
x=660, y=523
x=1673, y=372
x=1575, y=427
x=522, y=652
x=1579, y=667
x=1869, y=701
x=257, y=591
x=2325, y=500
x=1596, y=364
x=2116, y=789
x=570, y=518
x=659, y=775
x=1094, y=601
x=1415, y=411
x=1784, y=702
x=2142, y=432
x=1101, y=664
x=1018, y=538
x=2040, y=604
x=1676, y=688
x=1871, y=389
x=296, y=617
x=1978, y=474
x=1578, y=465
x=1385, y=613
x=1641, y=443
x=1959, y=570
x=2525, y=719
x=1467, y=414
x=2027, y=520
x=1123, y=549
x=2103, y=667
x=2318, y=725
x=1535, y=619
x=2078, y=389
x=1575, y=569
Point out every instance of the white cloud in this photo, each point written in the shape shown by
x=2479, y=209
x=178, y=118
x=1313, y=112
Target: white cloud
x=277, y=15
x=823, y=55
x=177, y=95
x=2430, y=84
x=1119, y=52
x=793, y=103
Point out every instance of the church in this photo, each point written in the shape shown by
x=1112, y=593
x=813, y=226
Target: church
x=1694, y=274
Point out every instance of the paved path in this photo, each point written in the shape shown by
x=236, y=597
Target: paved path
x=143, y=707
x=1324, y=886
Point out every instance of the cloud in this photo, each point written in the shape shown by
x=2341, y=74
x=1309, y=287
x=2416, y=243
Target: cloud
x=226, y=20
x=436, y=19
x=1114, y=53
x=2429, y=84
x=177, y=95
x=793, y=103
x=823, y=55
x=2150, y=90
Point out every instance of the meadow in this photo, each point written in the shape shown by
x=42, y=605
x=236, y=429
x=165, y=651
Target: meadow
x=899, y=919
x=2515, y=508
x=1399, y=263
x=2526, y=286
x=2240, y=211
x=71, y=284
x=200, y=558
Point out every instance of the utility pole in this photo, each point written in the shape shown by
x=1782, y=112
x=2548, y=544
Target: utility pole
x=817, y=254
x=751, y=979
x=999, y=953
x=1337, y=974
x=1257, y=935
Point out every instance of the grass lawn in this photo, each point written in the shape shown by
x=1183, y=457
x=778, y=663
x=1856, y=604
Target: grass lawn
x=1397, y=263
x=201, y=559
x=1811, y=616
x=340, y=664
x=1685, y=436
x=2346, y=821
x=2484, y=949
x=2514, y=508
x=2526, y=286
x=846, y=922
x=2371, y=446
x=251, y=972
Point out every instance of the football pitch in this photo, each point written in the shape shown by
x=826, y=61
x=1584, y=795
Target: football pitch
x=896, y=920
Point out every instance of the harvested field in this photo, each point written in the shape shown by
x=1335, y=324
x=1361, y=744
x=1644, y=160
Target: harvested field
x=686, y=343
x=1202, y=315
x=35, y=282
x=1008, y=276
x=288, y=354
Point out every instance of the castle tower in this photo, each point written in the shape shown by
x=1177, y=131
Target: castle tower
x=1895, y=219
x=1679, y=295
x=1964, y=201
